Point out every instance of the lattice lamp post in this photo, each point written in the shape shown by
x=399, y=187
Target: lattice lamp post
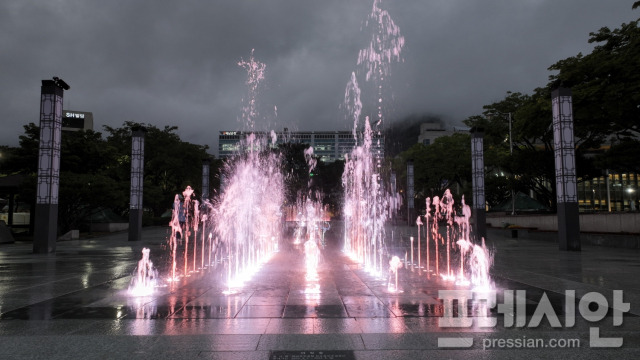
x=46, y=211
x=565, y=167
x=477, y=182
x=206, y=169
x=137, y=180
x=410, y=196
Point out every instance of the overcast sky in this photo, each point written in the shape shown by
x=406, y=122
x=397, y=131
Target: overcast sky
x=176, y=62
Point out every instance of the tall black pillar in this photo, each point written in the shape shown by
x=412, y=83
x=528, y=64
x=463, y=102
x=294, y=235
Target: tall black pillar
x=206, y=166
x=565, y=165
x=477, y=182
x=137, y=181
x=411, y=218
x=46, y=211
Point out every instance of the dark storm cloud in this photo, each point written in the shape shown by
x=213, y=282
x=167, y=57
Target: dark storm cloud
x=175, y=63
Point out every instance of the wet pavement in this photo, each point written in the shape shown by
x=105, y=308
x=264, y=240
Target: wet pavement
x=75, y=304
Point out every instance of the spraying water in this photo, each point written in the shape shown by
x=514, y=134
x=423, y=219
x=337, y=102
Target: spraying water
x=255, y=75
x=475, y=260
x=246, y=216
x=368, y=203
x=394, y=265
x=145, y=278
x=248, y=213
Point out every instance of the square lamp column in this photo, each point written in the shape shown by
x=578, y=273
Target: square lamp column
x=46, y=211
x=411, y=219
x=137, y=181
x=477, y=182
x=394, y=199
x=565, y=166
x=206, y=166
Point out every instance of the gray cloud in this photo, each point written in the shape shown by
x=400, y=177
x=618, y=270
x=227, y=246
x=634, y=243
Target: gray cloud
x=175, y=63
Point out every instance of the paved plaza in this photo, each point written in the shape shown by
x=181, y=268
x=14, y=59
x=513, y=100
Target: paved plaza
x=74, y=304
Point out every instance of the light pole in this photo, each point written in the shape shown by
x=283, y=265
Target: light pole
x=90, y=211
x=48, y=185
x=513, y=195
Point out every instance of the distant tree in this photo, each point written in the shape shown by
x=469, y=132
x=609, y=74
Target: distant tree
x=84, y=159
x=605, y=84
x=170, y=164
x=95, y=172
x=621, y=157
x=525, y=161
x=24, y=158
x=445, y=164
x=6, y=155
x=529, y=166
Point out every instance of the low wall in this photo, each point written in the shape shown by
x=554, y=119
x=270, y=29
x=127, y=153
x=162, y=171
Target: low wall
x=616, y=223
x=625, y=241
x=109, y=227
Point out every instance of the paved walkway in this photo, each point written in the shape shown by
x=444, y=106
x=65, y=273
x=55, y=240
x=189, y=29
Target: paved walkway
x=74, y=304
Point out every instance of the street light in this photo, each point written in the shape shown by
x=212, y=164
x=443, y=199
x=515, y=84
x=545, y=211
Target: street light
x=632, y=204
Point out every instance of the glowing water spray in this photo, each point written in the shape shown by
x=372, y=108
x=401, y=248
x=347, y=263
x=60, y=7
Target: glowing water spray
x=368, y=202
x=248, y=214
x=176, y=230
x=419, y=223
x=385, y=46
x=394, y=265
x=145, y=278
x=427, y=215
x=255, y=75
x=475, y=260
x=311, y=258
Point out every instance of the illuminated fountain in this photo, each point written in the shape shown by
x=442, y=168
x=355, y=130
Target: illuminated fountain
x=311, y=258
x=145, y=278
x=239, y=230
x=366, y=206
x=191, y=208
x=368, y=203
x=475, y=260
x=394, y=265
x=248, y=212
x=176, y=230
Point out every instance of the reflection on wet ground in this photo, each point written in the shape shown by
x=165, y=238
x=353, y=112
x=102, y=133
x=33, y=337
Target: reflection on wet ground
x=82, y=290
x=279, y=290
x=89, y=281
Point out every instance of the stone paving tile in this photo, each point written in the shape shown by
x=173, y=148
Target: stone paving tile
x=336, y=326
x=311, y=342
x=261, y=311
x=382, y=325
x=404, y=341
x=233, y=355
x=203, y=312
x=217, y=342
x=310, y=311
x=291, y=326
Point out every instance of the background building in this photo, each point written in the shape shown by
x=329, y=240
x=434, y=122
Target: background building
x=431, y=130
x=329, y=146
x=73, y=120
